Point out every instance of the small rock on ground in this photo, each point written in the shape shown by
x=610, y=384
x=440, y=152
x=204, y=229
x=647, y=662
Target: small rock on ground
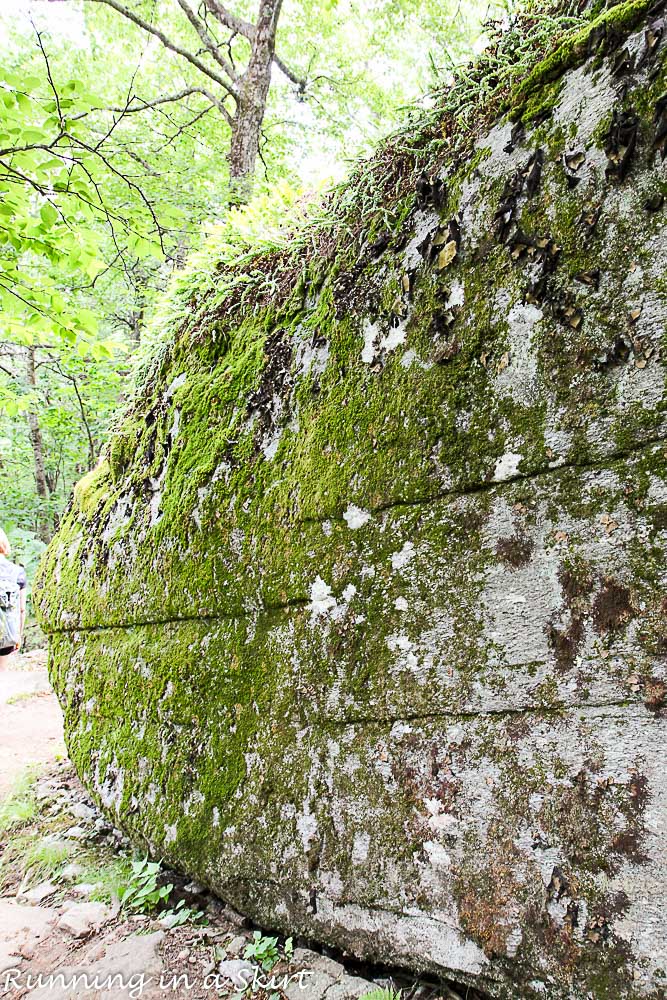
x=237, y=945
x=239, y=972
x=313, y=985
x=80, y=919
x=304, y=958
x=349, y=988
x=37, y=894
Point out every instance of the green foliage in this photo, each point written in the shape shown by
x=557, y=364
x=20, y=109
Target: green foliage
x=91, y=230
x=19, y=807
x=182, y=914
x=382, y=994
x=52, y=209
x=263, y=950
x=143, y=893
x=109, y=875
x=45, y=858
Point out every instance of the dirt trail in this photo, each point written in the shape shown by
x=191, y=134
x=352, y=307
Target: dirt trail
x=31, y=727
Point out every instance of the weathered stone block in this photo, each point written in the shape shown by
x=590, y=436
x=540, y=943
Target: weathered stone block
x=363, y=622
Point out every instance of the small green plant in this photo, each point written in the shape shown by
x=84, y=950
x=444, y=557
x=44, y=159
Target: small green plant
x=182, y=914
x=110, y=875
x=264, y=950
x=382, y=994
x=143, y=892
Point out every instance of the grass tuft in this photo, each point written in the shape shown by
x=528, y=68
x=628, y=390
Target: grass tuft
x=44, y=860
x=19, y=807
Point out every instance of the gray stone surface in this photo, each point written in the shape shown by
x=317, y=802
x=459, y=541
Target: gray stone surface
x=349, y=988
x=304, y=958
x=239, y=971
x=237, y=945
x=315, y=985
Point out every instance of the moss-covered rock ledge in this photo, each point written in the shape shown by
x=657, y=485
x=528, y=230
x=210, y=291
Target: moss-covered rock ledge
x=363, y=622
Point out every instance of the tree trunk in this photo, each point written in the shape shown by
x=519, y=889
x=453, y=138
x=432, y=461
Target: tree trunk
x=44, y=527
x=251, y=103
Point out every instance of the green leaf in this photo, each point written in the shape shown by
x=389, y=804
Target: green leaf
x=93, y=267
x=48, y=214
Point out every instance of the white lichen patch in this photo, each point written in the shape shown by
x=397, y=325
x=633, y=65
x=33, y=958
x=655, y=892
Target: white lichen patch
x=360, y=846
x=517, y=379
x=355, y=517
x=119, y=518
x=438, y=856
x=411, y=358
x=371, y=333
x=403, y=647
x=322, y=601
x=175, y=424
x=507, y=466
x=175, y=385
x=456, y=296
x=271, y=440
x=156, y=485
x=312, y=353
x=394, y=338
x=399, y=560
x=271, y=443
x=426, y=223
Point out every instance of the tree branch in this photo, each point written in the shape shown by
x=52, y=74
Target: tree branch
x=227, y=85
x=173, y=99
x=48, y=74
x=208, y=42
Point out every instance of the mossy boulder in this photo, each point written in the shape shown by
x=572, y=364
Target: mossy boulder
x=362, y=621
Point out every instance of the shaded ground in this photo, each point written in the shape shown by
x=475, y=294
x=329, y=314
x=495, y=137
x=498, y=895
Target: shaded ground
x=31, y=730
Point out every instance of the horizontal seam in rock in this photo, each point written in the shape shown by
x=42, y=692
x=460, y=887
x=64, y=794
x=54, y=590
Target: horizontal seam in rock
x=481, y=488
x=501, y=712
x=184, y=619
x=459, y=716
x=303, y=602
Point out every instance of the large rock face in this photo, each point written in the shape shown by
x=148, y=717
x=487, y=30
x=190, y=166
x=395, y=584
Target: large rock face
x=363, y=621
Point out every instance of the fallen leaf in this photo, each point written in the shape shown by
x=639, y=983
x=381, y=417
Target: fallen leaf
x=446, y=256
